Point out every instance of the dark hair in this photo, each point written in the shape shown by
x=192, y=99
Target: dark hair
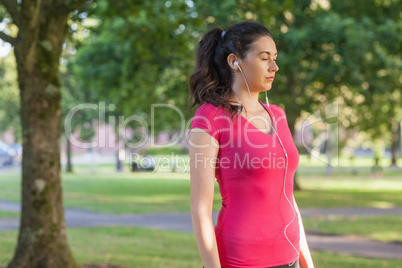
x=212, y=79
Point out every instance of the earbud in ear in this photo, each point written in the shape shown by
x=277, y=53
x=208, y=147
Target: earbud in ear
x=238, y=65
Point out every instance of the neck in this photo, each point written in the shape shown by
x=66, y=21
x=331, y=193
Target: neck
x=242, y=96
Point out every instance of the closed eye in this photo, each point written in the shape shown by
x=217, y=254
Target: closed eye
x=268, y=59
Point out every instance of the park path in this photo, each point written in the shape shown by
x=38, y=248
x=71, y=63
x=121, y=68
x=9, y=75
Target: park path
x=182, y=222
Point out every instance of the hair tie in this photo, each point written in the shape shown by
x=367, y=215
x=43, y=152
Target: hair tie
x=223, y=34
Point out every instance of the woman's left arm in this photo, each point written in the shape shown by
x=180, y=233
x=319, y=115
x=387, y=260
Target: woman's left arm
x=305, y=259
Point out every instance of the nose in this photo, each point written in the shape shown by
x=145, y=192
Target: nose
x=273, y=67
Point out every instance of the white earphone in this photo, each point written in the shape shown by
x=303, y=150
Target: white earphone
x=237, y=64
x=284, y=151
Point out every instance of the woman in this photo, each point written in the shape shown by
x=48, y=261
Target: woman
x=248, y=147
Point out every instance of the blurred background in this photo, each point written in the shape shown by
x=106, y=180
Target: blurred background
x=339, y=83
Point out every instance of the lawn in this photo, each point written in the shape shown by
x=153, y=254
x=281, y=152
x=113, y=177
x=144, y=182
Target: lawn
x=142, y=192
x=116, y=193
x=170, y=192
x=7, y=214
x=142, y=247
x=383, y=228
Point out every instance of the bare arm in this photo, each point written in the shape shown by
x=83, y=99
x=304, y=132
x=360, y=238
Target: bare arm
x=202, y=177
x=305, y=256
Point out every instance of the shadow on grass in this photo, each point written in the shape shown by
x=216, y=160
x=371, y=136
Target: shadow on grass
x=103, y=265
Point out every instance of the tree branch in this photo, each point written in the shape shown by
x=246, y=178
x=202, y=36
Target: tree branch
x=74, y=4
x=8, y=38
x=12, y=8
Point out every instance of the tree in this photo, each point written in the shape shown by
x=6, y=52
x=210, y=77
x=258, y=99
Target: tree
x=338, y=51
x=72, y=95
x=373, y=55
x=9, y=101
x=319, y=58
x=42, y=29
x=139, y=54
x=82, y=120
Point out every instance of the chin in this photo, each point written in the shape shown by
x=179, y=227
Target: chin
x=265, y=87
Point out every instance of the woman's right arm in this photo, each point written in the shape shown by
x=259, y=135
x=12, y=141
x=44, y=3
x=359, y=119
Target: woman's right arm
x=203, y=151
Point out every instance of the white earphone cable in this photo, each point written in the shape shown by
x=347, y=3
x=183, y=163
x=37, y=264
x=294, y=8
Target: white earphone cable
x=286, y=156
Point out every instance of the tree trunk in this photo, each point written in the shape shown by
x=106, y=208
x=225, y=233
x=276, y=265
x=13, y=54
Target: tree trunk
x=42, y=241
x=120, y=148
x=69, y=168
x=119, y=164
x=395, y=141
x=292, y=123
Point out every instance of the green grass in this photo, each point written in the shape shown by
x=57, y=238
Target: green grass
x=117, y=193
x=142, y=247
x=383, y=228
x=170, y=192
x=8, y=215
x=127, y=246
x=329, y=259
x=127, y=195
x=359, y=162
x=349, y=191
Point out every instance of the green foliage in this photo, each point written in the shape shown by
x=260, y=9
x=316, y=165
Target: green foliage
x=142, y=53
x=338, y=53
x=9, y=100
x=82, y=119
x=139, y=58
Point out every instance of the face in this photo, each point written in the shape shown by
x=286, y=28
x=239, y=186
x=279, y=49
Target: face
x=259, y=65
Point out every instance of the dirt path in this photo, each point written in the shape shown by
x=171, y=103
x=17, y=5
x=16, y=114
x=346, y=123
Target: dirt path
x=182, y=222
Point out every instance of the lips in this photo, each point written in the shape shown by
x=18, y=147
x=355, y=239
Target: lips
x=270, y=78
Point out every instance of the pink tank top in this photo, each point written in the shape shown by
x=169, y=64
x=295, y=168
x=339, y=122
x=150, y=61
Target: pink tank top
x=250, y=169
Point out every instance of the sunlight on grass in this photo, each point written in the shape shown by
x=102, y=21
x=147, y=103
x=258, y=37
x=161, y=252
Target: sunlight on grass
x=384, y=228
x=144, y=192
x=127, y=246
x=382, y=204
x=329, y=259
x=151, y=193
x=142, y=247
x=351, y=183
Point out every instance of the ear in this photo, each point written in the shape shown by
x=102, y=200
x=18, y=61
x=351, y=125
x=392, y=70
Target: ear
x=232, y=58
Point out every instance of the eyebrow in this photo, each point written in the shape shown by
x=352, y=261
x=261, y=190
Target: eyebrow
x=269, y=53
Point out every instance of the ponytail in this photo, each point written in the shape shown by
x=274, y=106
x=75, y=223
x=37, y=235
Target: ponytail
x=211, y=80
